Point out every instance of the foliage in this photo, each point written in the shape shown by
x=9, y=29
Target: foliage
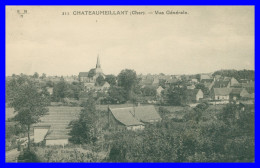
x=111, y=79
x=197, y=112
x=63, y=90
x=92, y=72
x=36, y=75
x=127, y=79
x=210, y=140
x=100, y=81
x=116, y=95
x=72, y=153
x=148, y=91
x=204, y=89
x=84, y=130
x=176, y=96
x=241, y=74
x=28, y=156
x=29, y=105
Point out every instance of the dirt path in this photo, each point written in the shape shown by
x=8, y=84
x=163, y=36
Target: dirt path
x=11, y=156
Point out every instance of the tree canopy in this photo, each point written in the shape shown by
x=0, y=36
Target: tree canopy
x=29, y=104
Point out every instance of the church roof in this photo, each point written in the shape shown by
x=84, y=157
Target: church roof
x=83, y=74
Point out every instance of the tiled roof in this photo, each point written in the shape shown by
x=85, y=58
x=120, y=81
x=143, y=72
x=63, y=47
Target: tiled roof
x=124, y=116
x=236, y=90
x=221, y=83
x=83, y=74
x=58, y=119
x=222, y=91
x=146, y=113
x=129, y=116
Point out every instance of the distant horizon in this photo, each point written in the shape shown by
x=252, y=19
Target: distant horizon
x=134, y=70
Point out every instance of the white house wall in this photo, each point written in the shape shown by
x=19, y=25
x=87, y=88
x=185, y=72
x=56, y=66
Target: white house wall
x=51, y=142
x=39, y=134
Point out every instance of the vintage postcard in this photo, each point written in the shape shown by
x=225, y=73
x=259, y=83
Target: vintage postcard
x=130, y=84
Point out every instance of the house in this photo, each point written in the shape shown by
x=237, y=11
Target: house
x=195, y=94
x=40, y=132
x=84, y=76
x=238, y=93
x=171, y=81
x=53, y=128
x=194, y=80
x=191, y=87
x=159, y=91
x=89, y=86
x=50, y=90
x=209, y=85
x=249, y=86
x=233, y=82
x=204, y=77
x=132, y=118
x=221, y=94
x=221, y=84
x=217, y=77
x=121, y=119
x=106, y=86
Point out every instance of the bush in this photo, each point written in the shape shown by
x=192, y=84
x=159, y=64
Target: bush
x=28, y=156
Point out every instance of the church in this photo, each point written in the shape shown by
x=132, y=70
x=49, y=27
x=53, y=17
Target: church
x=89, y=78
x=92, y=75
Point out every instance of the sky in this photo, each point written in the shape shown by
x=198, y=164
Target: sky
x=206, y=39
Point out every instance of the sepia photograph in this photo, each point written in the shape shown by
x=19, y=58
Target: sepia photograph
x=130, y=84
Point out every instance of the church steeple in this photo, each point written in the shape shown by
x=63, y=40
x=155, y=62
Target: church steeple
x=98, y=63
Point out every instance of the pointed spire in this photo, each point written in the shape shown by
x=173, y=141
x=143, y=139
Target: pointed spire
x=98, y=62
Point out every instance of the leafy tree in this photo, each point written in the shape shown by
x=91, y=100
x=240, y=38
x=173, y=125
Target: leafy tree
x=204, y=89
x=128, y=80
x=149, y=91
x=91, y=73
x=100, y=80
x=176, y=96
x=28, y=156
x=36, y=75
x=43, y=76
x=117, y=95
x=62, y=90
x=83, y=130
x=29, y=106
x=162, y=83
x=49, y=83
x=197, y=112
x=229, y=114
x=111, y=79
x=241, y=74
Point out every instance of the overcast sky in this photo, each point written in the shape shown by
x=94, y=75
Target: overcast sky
x=204, y=40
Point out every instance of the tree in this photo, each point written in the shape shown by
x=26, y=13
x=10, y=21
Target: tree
x=36, y=75
x=83, y=130
x=29, y=106
x=111, y=79
x=117, y=95
x=62, y=90
x=149, y=91
x=91, y=73
x=128, y=80
x=204, y=89
x=43, y=76
x=100, y=80
x=228, y=114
